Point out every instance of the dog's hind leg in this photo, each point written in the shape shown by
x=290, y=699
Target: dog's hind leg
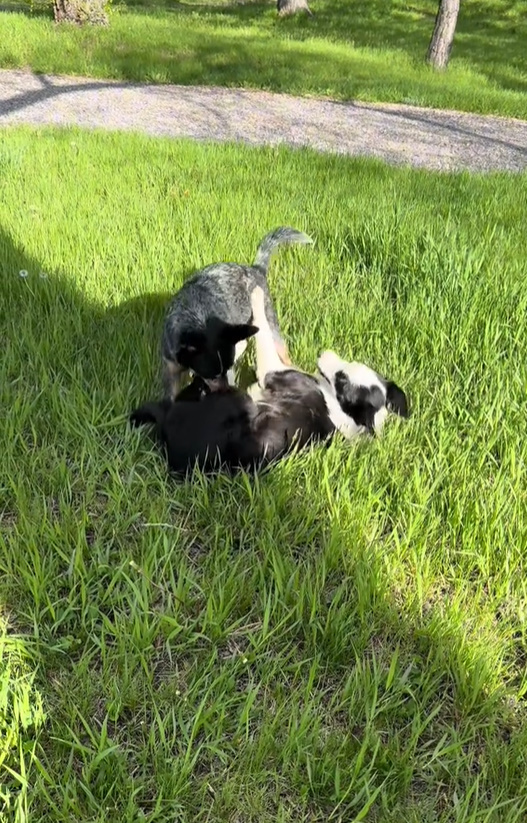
x=283, y=354
x=267, y=357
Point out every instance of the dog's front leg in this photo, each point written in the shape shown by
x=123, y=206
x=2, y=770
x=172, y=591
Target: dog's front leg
x=255, y=392
x=172, y=371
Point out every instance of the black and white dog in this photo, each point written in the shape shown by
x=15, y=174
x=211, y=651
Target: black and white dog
x=210, y=318
x=232, y=429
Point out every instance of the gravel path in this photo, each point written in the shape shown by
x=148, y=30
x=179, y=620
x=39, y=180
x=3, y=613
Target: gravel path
x=428, y=138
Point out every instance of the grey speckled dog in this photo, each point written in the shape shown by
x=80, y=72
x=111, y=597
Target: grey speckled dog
x=209, y=320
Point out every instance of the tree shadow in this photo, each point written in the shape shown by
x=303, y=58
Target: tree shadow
x=487, y=39
x=48, y=90
x=483, y=35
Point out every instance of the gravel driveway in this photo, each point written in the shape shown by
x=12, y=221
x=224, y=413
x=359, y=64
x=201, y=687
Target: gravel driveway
x=428, y=138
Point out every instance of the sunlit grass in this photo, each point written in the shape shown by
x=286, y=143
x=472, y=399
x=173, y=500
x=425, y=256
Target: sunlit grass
x=340, y=639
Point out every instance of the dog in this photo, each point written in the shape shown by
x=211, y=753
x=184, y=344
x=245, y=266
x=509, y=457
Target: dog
x=228, y=428
x=209, y=320
x=362, y=395
x=225, y=428
x=358, y=399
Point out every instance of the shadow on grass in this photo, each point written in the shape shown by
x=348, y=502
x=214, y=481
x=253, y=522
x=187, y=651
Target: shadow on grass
x=490, y=37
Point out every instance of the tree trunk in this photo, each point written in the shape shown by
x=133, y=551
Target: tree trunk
x=286, y=7
x=80, y=11
x=443, y=36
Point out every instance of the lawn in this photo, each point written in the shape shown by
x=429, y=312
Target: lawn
x=350, y=49
x=341, y=639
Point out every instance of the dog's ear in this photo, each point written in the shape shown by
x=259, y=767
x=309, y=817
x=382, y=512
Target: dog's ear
x=396, y=400
x=150, y=413
x=233, y=334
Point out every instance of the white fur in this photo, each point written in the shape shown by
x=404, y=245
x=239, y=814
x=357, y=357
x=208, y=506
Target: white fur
x=358, y=374
x=380, y=419
x=267, y=359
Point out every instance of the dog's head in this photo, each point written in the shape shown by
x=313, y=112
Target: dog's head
x=211, y=353
x=362, y=394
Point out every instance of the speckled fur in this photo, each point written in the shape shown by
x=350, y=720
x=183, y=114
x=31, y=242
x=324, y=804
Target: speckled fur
x=219, y=295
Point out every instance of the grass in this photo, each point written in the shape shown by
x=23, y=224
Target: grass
x=341, y=639
x=370, y=51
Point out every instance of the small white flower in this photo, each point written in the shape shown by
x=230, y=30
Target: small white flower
x=244, y=660
x=23, y=273
x=43, y=275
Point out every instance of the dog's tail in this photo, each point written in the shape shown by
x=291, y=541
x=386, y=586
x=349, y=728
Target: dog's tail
x=284, y=234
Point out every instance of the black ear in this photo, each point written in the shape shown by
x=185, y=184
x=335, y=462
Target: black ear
x=233, y=334
x=396, y=400
x=149, y=413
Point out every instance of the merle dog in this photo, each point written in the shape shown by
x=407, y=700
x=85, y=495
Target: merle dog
x=210, y=318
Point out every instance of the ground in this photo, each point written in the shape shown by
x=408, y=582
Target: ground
x=399, y=134
x=342, y=638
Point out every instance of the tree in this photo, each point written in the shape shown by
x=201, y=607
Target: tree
x=443, y=36
x=286, y=7
x=80, y=11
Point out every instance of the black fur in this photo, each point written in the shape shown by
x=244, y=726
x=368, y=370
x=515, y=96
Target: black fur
x=226, y=429
x=210, y=353
x=396, y=400
x=359, y=402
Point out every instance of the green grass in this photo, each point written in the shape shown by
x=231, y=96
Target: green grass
x=341, y=639
x=350, y=49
